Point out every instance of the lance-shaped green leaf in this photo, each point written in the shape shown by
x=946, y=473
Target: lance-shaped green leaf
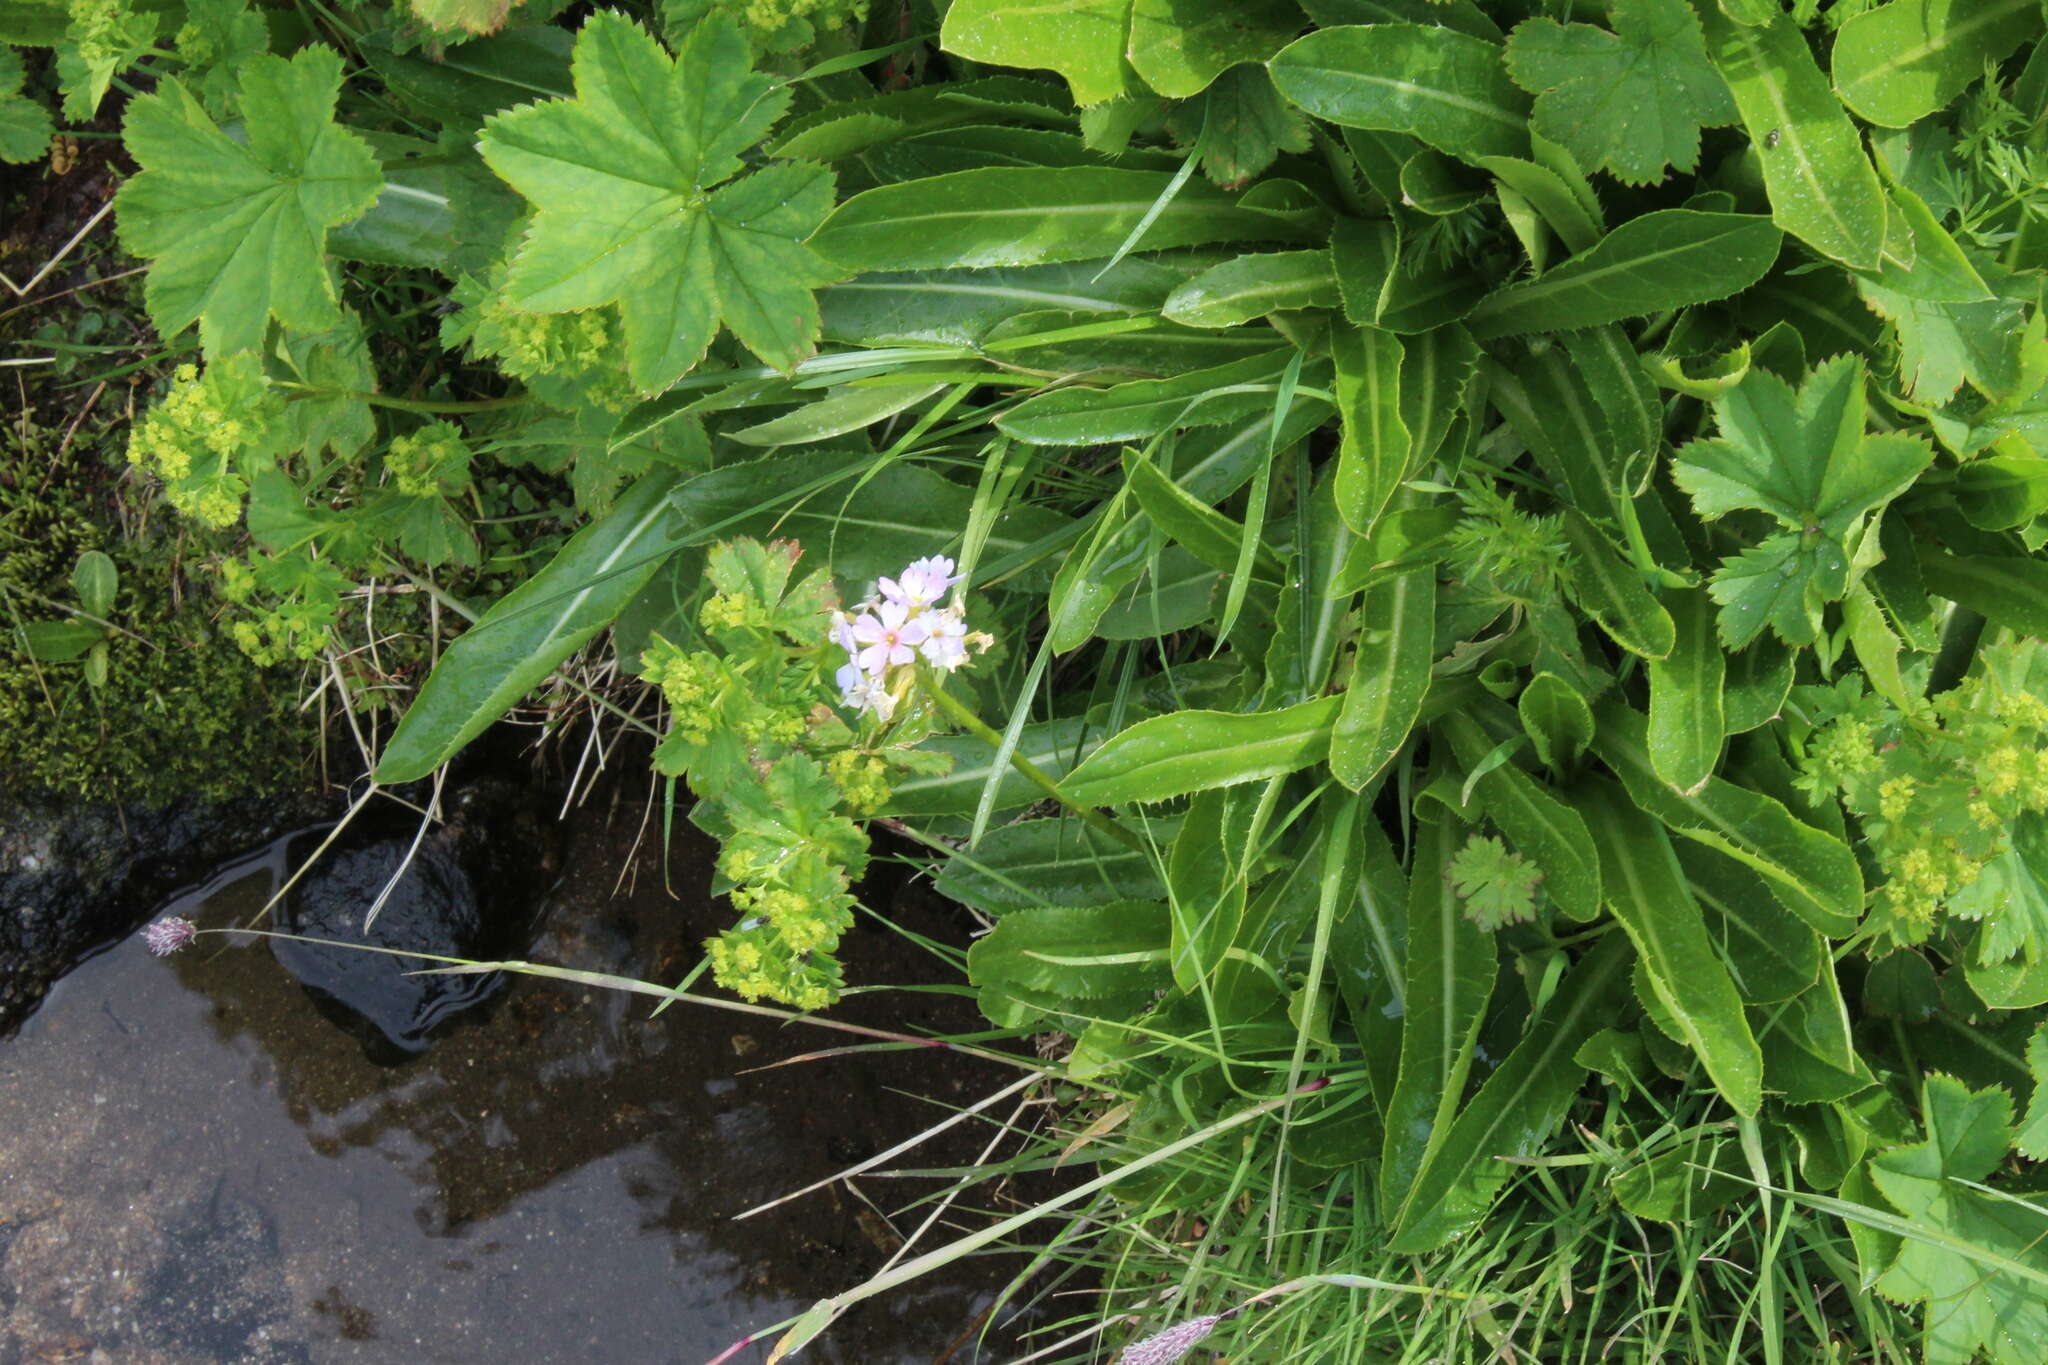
x=1518, y=1108
x=1812, y=873
x=528, y=632
x=1685, y=697
x=1389, y=676
x=1610, y=590
x=1536, y=821
x=1249, y=287
x=1190, y=751
x=1646, y=889
x=1823, y=190
x=1027, y=215
x=2009, y=590
x=237, y=230
x=1083, y=40
x=1670, y=258
x=1446, y=982
x=622, y=180
x=1557, y=720
x=1068, y=959
x=1630, y=102
x=1051, y=862
x=1772, y=953
x=1436, y=373
x=1054, y=745
x=1180, y=48
x=1373, y=456
x=1900, y=62
x=1447, y=88
x=1207, y=534
x=1145, y=407
x=1552, y=196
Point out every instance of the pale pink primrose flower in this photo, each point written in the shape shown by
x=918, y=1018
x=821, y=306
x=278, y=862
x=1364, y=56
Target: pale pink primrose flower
x=889, y=637
x=167, y=935
x=945, y=643
x=842, y=632
x=922, y=584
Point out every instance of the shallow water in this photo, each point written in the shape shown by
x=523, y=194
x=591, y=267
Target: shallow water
x=197, y=1168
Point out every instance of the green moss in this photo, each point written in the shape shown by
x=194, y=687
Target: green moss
x=182, y=711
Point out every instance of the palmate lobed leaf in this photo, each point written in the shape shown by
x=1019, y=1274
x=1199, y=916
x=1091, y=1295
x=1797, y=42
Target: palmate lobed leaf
x=622, y=179
x=237, y=231
x=1630, y=102
x=1971, y=1306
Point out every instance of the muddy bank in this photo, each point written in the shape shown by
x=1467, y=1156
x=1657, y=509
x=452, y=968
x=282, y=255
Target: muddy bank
x=198, y=1167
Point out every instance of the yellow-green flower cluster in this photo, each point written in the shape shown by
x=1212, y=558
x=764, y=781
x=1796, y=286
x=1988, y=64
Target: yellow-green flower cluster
x=292, y=602
x=207, y=437
x=568, y=359
x=433, y=460
x=863, y=780
x=1940, y=793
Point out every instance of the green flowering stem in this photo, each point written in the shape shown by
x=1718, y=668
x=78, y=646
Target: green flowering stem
x=957, y=712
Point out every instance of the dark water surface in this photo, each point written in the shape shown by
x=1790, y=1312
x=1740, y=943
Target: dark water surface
x=197, y=1168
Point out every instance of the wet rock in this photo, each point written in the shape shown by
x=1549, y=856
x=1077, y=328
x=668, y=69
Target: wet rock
x=468, y=890
x=73, y=876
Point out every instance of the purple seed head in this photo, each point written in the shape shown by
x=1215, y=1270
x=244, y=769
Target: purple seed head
x=1169, y=1346
x=167, y=935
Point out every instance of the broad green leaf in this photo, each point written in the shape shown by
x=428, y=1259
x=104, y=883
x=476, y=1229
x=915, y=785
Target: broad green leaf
x=1630, y=102
x=2002, y=492
x=95, y=580
x=2001, y=1308
x=33, y=23
x=1686, y=720
x=1240, y=124
x=2008, y=590
x=1612, y=593
x=1180, y=47
x=846, y=127
x=1536, y=821
x=1812, y=873
x=1823, y=190
x=1369, y=954
x=1012, y=216
x=1208, y=876
x=622, y=179
x=1518, y=1108
x=1373, y=456
x=1252, y=286
x=1446, y=983
x=1612, y=372
x=1876, y=646
x=1757, y=680
x=1669, y=258
x=25, y=126
x=1180, y=593
x=1447, y=88
x=1048, y=961
x=1190, y=751
x=961, y=307
x=236, y=231
x=1054, y=745
x=1557, y=720
x=1076, y=416
x=1900, y=62
x=527, y=633
x=1389, y=676
x=1686, y=1182
x=58, y=642
x=1646, y=889
x=1996, y=343
x=1082, y=40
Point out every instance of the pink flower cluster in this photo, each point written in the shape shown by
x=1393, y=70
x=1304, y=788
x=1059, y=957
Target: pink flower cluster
x=897, y=626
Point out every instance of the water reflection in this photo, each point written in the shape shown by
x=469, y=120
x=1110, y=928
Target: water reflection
x=195, y=1166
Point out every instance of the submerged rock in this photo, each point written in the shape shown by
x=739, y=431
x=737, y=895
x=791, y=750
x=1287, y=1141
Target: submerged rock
x=74, y=874
x=468, y=891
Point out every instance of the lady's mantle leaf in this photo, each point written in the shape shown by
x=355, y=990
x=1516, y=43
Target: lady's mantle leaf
x=1498, y=887
x=238, y=231
x=1991, y=1300
x=1629, y=102
x=1803, y=457
x=622, y=176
